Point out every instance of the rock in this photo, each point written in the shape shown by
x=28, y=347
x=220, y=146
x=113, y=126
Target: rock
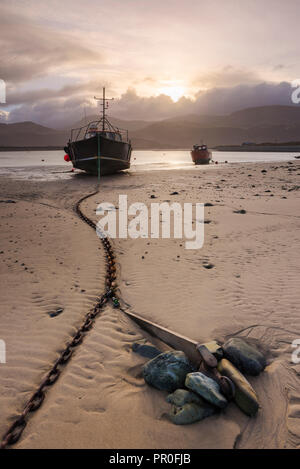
x=206, y=388
x=167, y=371
x=207, y=265
x=190, y=413
x=180, y=397
x=147, y=351
x=245, y=396
x=245, y=357
x=214, y=348
x=55, y=313
x=242, y=211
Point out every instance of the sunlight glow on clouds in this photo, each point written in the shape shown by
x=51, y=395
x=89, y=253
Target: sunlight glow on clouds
x=61, y=54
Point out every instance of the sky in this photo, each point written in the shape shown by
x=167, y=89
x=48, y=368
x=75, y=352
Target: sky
x=157, y=58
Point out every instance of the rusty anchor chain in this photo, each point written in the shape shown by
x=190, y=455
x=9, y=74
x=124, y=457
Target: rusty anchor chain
x=13, y=434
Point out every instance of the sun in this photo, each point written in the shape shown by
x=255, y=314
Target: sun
x=175, y=92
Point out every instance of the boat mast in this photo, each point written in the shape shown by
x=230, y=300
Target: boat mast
x=104, y=106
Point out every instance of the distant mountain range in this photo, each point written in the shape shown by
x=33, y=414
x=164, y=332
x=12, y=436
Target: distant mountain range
x=257, y=124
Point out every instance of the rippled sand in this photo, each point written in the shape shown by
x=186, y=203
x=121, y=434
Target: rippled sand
x=101, y=400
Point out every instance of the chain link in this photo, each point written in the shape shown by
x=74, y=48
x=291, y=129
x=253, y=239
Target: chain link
x=15, y=431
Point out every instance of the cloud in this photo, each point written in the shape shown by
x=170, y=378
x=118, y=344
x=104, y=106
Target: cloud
x=71, y=103
x=29, y=50
x=218, y=100
x=4, y=115
x=227, y=100
x=226, y=76
x=56, y=55
x=19, y=97
x=54, y=113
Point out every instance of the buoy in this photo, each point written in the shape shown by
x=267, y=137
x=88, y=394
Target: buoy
x=66, y=158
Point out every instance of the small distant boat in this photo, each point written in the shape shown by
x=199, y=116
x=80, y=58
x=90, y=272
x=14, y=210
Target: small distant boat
x=99, y=147
x=200, y=154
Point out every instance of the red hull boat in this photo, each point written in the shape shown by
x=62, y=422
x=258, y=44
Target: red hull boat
x=200, y=154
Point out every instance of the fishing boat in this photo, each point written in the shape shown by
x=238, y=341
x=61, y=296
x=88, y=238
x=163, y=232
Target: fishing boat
x=99, y=147
x=200, y=154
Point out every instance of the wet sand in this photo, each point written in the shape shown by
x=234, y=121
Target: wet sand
x=101, y=400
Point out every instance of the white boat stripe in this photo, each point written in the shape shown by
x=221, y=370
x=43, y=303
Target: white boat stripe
x=101, y=158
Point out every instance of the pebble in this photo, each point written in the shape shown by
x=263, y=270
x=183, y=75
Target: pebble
x=242, y=211
x=148, y=351
x=244, y=356
x=167, y=371
x=206, y=388
x=180, y=397
x=215, y=348
x=245, y=396
x=53, y=314
x=190, y=413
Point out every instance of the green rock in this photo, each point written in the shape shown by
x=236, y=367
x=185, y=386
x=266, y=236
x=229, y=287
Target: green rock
x=190, y=413
x=244, y=356
x=167, y=371
x=206, y=388
x=245, y=396
x=148, y=351
x=180, y=397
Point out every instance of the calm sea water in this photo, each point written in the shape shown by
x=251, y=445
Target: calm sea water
x=51, y=165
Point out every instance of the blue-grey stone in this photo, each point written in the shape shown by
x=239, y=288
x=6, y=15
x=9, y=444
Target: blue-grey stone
x=167, y=371
x=190, y=413
x=180, y=397
x=148, y=351
x=244, y=356
x=206, y=388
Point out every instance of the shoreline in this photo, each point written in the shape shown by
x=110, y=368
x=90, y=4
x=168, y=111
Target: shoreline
x=102, y=386
x=223, y=148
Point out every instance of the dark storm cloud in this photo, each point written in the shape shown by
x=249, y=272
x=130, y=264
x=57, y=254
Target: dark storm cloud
x=213, y=101
x=225, y=100
x=63, y=110
x=53, y=113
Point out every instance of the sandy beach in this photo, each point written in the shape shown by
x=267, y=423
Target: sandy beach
x=51, y=259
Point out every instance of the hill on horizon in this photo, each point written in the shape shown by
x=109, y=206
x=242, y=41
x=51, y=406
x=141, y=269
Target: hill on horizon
x=256, y=124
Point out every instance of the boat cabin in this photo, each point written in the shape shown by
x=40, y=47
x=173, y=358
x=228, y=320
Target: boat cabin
x=92, y=132
x=200, y=147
